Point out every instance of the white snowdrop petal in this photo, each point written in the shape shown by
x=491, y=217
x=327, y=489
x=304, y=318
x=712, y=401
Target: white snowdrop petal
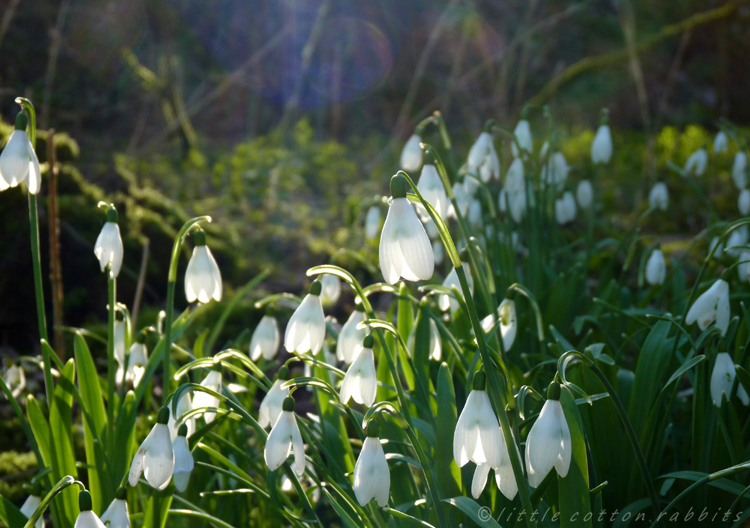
x=350, y=339
x=584, y=194
x=117, y=515
x=466, y=434
x=203, y=399
x=34, y=180
x=505, y=478
x=391, y=258
x=655, y=268
x=489, y=432
x=522, y=133
x=266, y=339
x=722, y=309
x=279, y=442
x=543, y=444
x=601, y=148
x=307, y=327
x=562, y=463
x=14, y=159
x=184, y=405
x=298, y=447
x=271, y=406
x=411, y=155
x=331, y=288
x=743, y=202
x=704, y=307
x=415, y=244
x=88, y=519
x=479, y=481
x=479, y=151
x=183, y=463
x=158, y=463
x=372, y=222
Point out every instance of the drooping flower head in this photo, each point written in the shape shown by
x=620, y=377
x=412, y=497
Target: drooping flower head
x=18, y=161
x=271, y=406
x=721, y=143
x=548, y=444
x=483, y=157
x=696, y=162
x=658, y=198
x=722, y=379
x=155, y=457
x=202, y=277
x=372, y=478
x=360, y=381
x=183, y=459
x=743, y=202
x=405, y=248
x=306, y=330
x=411, y=155
x=656, y=268
x=739, y=170
x=86, y=518
x=184, y=405
x=565, y=209
x=137, y=360
x=712, y=305
x=331, y=290
x=285, y=439
x=108, y=248
x=266, y=337
x=117, y=515
x=477, y=436
x=585, y=194
x=506, y=318
x=446, y=301
x=431, y=187
x=522, y=134
x=601, y=148
x=206, y=400
x=351, y=336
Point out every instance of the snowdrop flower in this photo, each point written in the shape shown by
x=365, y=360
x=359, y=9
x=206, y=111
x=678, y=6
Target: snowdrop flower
x=696, y=163
x=266, y=338
x=565, y=209
x=478, y=437
x=15, y=379
x=31, y=503
x=183, y=406
x=517, y=202
x=544, y=150
x=431, y=187
x=117, y=514
x=555, y=171
x=504, y=477
x=514, y=180
x=411, y=155
x=86, y=518
x=601, y=148
x=437, y=251
x=155, y=457
x=18, y=161
x=284, y=439
x=202, y=277
x=446, y=301
x=658, y=198
x=306, y=330
x=183, y=459
x=405, y=248
x=475, y=213
x=712, y=305
x=739, y=170
x=584, y=194
x=463, y=199
x=506, y=317
x=743, y=269
x=204, y=399
x=548, y=444
x=270, y=407
x=721, y=143
x=351, y=336
x=360, y=381
x=722, y=379
x=483, y=158
x=523, y=137
x=108, y=247
x=656, y=269
x=372, y=478
x=436, y=346
x=331, y=290
x=743, y=202
x=372, y=222
x=737, y=238
x=137, y=360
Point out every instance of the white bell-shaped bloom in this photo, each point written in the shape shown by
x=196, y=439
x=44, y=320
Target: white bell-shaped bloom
x=658, y=198
x=284, y=439
x=548, y=444
x=372, y=222
x=202, y=277
x=506, y=317
x=204, y=399
x=270, y=407
x=266, y=339
x=738, y=237
x=431, y=187
x=517, y=202
x=555, y=171
x=543, y=151
x=306, y=330
x=18, y=161
x=411, y=155
x=183, y=460
x=471, y=184
x=475, y=213
x=483, y=158
x=743, y=202
x=696, y=162
x=29, y=506
x=722, y=379
x=15, y=379
x=743, y=268
x=721, y=142
x=514, y=180
x=436, y=345
x=437, y=251
x=351, y=336
x=477, y=436
x=739, y=170
x=372, y=478
x=87, y=518
x=522, y=133
x=584, y=194
x=504, y=477
x=108, y=248
x=155, y=457
x=446, y=301
x=331, y=289
x=463, y=199
x=136, y=363
x=405, y=248
x=601, y=148
x=119, y=347
x=565, y=209
x=117, y=515
x=184, y=405
x=360, y=381
x=656, y=268
x=712, y=305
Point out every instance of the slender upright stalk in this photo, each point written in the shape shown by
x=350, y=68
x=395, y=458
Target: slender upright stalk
x=111, y=367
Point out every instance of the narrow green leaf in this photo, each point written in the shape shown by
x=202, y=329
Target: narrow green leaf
x=481, y=515
x=573, y=490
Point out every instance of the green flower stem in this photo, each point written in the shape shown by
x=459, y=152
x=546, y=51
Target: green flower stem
x=111, y=368
x=64, y=482
x=171, y=280
x=36, y=258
